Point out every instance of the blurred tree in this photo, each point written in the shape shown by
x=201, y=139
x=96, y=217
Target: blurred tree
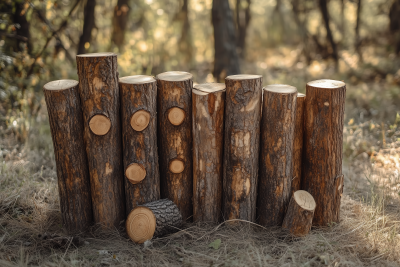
x=21, y=25
x=394, y=25
x=243, y=17
x=88, y=25
x=357, y=31
x=185, y=40
x=120, y=19
x=226, y=60
x=323, y=5
x=302, y=29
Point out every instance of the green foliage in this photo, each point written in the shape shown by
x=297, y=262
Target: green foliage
x=215, y=244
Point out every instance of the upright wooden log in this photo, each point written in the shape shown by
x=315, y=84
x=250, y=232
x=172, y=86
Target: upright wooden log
x=323, y=146
x=66, y=125
x=276, y=156
x=139, y=136
x=99, y=93
x=300, y=213
x=174, y=109
x=208, y=106
x=241, y=146
x=153, y=219
x=298, y=142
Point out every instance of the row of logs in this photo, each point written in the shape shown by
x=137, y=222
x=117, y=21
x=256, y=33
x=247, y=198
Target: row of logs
x=217, y=151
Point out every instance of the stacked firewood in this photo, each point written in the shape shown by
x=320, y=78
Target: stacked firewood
x=156, y=152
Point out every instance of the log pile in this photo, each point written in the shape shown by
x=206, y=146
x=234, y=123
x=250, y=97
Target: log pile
x=157, y=152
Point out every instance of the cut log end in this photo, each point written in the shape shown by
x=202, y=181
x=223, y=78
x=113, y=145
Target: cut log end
x=176, y=166
x=140, y=120
x=326, y=84
x=141, y=225
x=104, y=54
x=135, y=173
x=60, y=85
x=300, y=95
x=100, y=124
x=280, y=89
x=137, y=79
x=243, y=77
x=210, y=87
x=305, y=200
x=174, y=76
x=176, y=116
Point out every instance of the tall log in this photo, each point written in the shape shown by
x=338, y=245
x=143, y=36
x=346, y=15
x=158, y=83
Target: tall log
x=153, y=219
x=174, y=108
x=208, y=105
x=98, y=89
x=241, y=146
x=298, y=142
x=300, y=213
x=66, y=125
x=139, y=136
x=323, y=146
x=276, y=156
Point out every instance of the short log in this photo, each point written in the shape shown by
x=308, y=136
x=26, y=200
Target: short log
x=139, y=136
x=99, y=93
x=299, y=216
x=153, y=219
x=298, y=142
x=208, y=106
x=276, y=156
x=66, y=125
x=174, y=109
x=241, y=146
x=323, y=146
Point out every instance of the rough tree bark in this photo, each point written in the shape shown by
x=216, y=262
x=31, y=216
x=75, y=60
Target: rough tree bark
x=241, y=146
x=120, y=19
x=66, y=124
x=98, y=89
x=298, y=143
x=88, y=25
x=174, y=109
x=153, y=219
x=208, y=105
x=243, y=17
x=139, y=136
x=323, y=5
x=299, y=216
x=276, y=156
x=323, y=146
x=226, y=60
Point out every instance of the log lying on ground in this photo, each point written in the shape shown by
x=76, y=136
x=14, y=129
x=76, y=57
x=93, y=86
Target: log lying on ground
x=153, y=219
x=276, y=169
x=66, y=124
x=208, y=106
x=174, y=109
x=139, y=136
x=298, y=143
x=323, y=146
x=241, y=146
x=300, y=213
x=99, y=93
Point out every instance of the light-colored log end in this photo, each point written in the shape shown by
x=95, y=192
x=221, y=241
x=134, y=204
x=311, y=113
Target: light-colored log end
x=137, y=79
x=305, y=200
x=176, y=166
x=140, y=120
x=100, y=124
x=243, y=77
x=280, y=89
x=174, y=76
x=135, y=173
x=102, y=54
x=176, y=116
x=140, y=224
x=210, y=87
x=326, y=84
x=300, y=95
x=60, y=85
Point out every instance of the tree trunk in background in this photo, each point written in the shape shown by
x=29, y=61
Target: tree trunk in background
x=302, y=31
x=185, y=41
x=357, y=30
x=323, y=5
x=342, y=19
x=19, y=18
x=120, y=19
x=242, y=21
x=88, y=25
x=226, y=60
x=394, y=24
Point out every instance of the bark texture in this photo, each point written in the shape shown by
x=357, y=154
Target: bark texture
x=323, y=147
x=276, y=156
x=98, y=89
x=241, y=146
x=66, y=124
x=208, y=134
x=298, y=143
x=139, y=93
x=175, y=141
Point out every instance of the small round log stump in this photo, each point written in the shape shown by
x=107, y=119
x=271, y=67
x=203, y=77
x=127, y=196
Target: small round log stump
x=208, y=106
x=174, y=109
x=99, y=93
x=139, y=136
x=153, y=219
x=323, y=147
x=298, y=142
x=66, y=125
x=299, y=216
x=276, y=169
x=241, y=146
